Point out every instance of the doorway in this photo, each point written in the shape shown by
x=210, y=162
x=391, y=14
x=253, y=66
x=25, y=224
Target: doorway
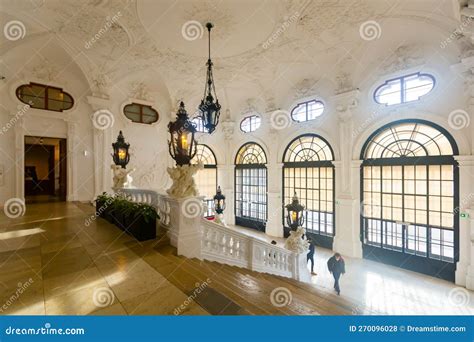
x=45, y=169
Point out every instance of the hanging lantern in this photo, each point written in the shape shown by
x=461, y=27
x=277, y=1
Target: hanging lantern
x=121, y=156
x=209, y=110
x=295, y=216
x=182, y=146
x=219, y=201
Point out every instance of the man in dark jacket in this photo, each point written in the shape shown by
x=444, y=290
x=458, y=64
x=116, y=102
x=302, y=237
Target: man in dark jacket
x=310, y=256
x=336, y=266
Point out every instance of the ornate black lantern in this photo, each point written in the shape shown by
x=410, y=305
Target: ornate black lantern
x=295, y=216
x=121, y=156
x=182, y=146
x=209, y=110
x=219, y=201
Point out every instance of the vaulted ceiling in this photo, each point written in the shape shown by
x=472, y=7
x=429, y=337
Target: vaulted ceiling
x=266, y=52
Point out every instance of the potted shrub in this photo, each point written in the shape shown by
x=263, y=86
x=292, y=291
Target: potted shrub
x=141, y=221
x=121, y=203
x=102, y=204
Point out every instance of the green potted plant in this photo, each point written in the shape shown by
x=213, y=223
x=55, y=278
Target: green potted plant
x=120, y=205
x=141, y=221
x=102, y=204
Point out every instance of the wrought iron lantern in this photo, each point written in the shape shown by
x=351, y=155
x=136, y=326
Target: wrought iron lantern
x=219, y=201
x=182, y=146
x=209, y=110
x=121, y=156
x=295, y=216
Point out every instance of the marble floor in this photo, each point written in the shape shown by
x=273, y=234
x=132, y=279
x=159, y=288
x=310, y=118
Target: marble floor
x=58, y=259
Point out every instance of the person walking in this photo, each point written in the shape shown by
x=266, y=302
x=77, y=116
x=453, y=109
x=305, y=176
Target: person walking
x=310, y=256
x=337, y=267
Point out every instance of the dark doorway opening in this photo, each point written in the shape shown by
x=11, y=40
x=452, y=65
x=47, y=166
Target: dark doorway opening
x=45, y=169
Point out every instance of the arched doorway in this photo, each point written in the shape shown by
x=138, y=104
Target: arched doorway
x=409, y=192
x=308, y=170
x=251, y=187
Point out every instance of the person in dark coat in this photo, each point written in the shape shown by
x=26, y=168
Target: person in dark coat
x=310, y=256
x=336, y=266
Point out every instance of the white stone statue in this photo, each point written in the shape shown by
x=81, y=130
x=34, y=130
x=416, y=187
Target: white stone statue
x=122, y=177
x=295, y=241
x=183, y=181
x=219, y=219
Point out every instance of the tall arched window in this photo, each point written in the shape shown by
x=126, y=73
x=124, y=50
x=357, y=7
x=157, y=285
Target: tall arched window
x=308, y=170
x=251, y=187
x=409, y=191
x=206, y=179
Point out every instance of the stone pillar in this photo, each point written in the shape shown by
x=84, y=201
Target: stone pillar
x=184, y=228
x=225, y=178
x=347, y=239
x=274, y=225
x=102, y=147
x=465, y=265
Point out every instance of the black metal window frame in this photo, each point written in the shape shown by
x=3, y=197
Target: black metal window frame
x=314, y=159
x=209, y=213
x=44, y=96
x=413, y=238
x=248, y=176
x=253, y=123
x=403, y=89
x=199, y=124
x=140, y=106
x=307, y=111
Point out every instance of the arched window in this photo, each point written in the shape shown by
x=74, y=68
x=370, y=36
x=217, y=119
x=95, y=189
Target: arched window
x=140, y=113
x=308, y=170
x=251, y=187
x=206, y=179
x=409, y=194
x=45, y=97
x=197, y=121
x=250, y=123
x=404, y=89
x=307, y=111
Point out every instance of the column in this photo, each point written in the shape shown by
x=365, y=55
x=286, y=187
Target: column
x=465, y=265
x=225, y=176
x=274, y=225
